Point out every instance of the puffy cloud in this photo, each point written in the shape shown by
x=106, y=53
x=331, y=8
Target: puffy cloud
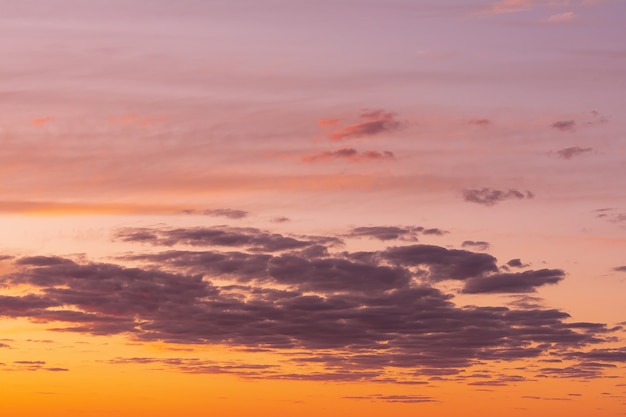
x=373, y=122
x=442, y=263
x=359, y=314
x=489, y=196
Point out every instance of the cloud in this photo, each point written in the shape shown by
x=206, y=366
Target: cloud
x=480, y=245
x=251, y=238
x=480, y=122
x=40, y=121
x=412, y=399
x=230, y=213
x=327, y=122
x=373, y=122
x=522, y=282
x=561, y=17
x=489, y=196
x=620, y=268
x=349, y=154
x=515, y=263
x=569, y=153
x=359, y=315
x=564, y=125
x=393, y=232
x=442, y=263
x=508, y=6
x=281, y=219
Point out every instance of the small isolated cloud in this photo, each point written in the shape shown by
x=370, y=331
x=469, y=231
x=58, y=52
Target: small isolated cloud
x=479, y=122
x=569, y=153
x=281, y=219
x=230, y=213
x=489, y=197
x=515, y=263
x=40, y=121
x=480, y=245
x=561, y=17
x=327, y=122
x=372, y=122
x=349, y=154
x=394, y=398
x=564, y=125
x=620, y=268
x=508, y=6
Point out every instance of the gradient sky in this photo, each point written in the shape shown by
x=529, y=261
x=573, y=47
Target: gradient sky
x=305, y=207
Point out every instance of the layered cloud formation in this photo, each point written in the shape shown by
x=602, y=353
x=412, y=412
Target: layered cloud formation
x=355, y=313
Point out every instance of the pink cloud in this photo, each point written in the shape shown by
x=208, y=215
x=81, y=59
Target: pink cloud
x=373, y=122
x=509, y=6
x=349, y=154
x=561, y=17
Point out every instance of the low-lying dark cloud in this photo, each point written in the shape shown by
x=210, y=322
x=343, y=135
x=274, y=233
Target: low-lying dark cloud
x=571, y=152
x=384, y=233
x=342, y=316
x=251, y=238
x=490, y=197
x=349, y=154
x=372, y=122
x=620, y=268
x=564, y=125
x=522, y=282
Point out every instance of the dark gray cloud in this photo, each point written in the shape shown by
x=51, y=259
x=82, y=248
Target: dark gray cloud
x=479, y=245
x=230, y=213
x=383, y=233
x=620, y=268
x=348, y=154
x=489, y=196
x=442, y=263
x=564, y=125
x=569, y=153
x=372, y=122
x=251, y=238
x=516, y=263
x=361, y=315
x=522, y=282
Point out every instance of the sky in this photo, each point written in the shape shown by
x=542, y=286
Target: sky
x=305, y=207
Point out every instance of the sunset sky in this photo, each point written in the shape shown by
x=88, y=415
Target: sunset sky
x=312, y=208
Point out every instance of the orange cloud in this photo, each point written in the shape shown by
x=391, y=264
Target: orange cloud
x=373, y=122
x=327, y=122
x=40, y=121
